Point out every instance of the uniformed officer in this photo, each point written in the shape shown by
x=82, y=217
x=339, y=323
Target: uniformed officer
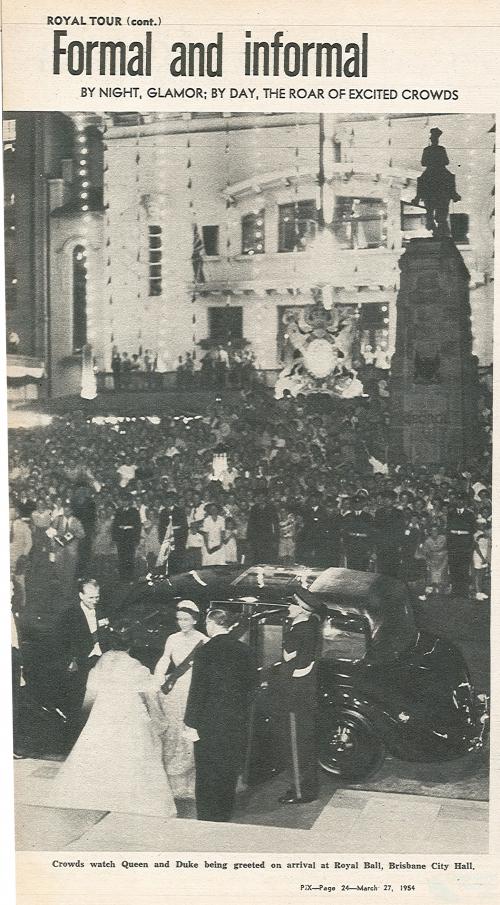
x=357, y=535
x=460, y=527
x=298, y=679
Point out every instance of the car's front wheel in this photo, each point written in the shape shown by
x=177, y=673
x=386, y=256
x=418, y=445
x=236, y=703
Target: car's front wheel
x=350, y=747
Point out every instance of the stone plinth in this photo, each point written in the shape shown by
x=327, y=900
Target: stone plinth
x=433, y=372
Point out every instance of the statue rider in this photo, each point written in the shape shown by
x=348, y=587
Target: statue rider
x=436, y=186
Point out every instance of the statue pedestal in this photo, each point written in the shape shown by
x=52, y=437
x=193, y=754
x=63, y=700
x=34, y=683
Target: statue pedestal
x=433, y=372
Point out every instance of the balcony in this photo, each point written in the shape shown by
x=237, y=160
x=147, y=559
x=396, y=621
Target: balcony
x=24, y=378
x=322, y=263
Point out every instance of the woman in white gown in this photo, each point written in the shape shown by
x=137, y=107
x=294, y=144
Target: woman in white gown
x=173, y=675
x=116, y=763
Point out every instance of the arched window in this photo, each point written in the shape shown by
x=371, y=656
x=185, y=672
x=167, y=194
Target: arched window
x=79, y=298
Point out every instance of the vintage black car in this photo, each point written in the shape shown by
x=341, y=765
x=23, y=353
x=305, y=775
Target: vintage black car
x=384, y=686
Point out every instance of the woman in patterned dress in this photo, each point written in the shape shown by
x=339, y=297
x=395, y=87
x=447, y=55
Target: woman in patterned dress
x=173, y=678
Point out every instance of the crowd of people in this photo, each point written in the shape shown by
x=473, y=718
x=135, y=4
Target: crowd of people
x=250, y=480
x=222, y=365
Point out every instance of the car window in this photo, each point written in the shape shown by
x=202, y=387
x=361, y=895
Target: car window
x=259, y=627
x=343, y=638
x=277, y=579
x=268, y=640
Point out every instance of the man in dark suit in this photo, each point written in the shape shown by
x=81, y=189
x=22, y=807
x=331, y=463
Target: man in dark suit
x=263, y=531
x=313, y=541
x=126, y=533
x=460, y=528
x=357, y=535
x=216, y=715
x=82, y=638
x=173, y=518
x=298, y=698
x=389, y=529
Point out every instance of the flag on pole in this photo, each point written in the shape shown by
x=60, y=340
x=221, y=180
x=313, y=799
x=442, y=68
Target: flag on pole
x=197, y=256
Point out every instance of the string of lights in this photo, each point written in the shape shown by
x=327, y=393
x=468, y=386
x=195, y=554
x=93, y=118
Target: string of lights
x=88, y=380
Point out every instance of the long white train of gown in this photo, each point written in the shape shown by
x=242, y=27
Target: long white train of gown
x=116, y=763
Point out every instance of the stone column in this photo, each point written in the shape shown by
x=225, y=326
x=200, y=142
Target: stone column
x=433, y=373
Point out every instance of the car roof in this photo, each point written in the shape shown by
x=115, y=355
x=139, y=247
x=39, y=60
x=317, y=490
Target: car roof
x=382, y=600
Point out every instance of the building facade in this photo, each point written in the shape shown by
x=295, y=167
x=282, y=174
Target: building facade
x=175, y=232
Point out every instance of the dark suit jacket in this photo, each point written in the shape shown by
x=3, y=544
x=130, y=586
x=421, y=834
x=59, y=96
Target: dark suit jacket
x=224, y=674
x=76, y=641
x=126, y=530
x=179, y=525
x=389, y=528
x=263, y=525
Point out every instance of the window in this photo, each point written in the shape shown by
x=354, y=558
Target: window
x=155, y=260
x=252, y=233
x=343, y=638
x=297, y=224
x=412, y=219
x=210, y=240
x=225, y=324
x=9, y=132
x=360, y=222
x=268, y=640
x=79, y=298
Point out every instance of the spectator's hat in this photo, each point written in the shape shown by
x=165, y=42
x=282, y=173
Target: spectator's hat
x=436, y=131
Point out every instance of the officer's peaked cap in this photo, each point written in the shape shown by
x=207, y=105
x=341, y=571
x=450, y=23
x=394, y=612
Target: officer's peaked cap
x=308, y=601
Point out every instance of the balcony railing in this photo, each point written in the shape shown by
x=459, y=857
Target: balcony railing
x=338, y=267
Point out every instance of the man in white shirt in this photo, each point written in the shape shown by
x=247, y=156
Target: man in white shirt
x=126, y=472
x=82, y=636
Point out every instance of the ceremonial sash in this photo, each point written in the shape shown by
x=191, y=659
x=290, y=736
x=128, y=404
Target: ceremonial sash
x=172, y=677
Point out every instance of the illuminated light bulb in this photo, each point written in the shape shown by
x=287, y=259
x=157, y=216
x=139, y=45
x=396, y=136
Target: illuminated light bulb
x=81, y=139
x=84, y=194
x=85, y=207
x=85, y=184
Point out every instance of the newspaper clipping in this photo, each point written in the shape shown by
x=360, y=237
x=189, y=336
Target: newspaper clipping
x=249, y=292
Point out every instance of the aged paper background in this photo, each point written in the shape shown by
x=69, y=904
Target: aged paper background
x=419, y=44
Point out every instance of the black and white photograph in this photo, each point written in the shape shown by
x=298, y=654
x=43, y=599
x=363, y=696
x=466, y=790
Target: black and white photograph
x=250, y=395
